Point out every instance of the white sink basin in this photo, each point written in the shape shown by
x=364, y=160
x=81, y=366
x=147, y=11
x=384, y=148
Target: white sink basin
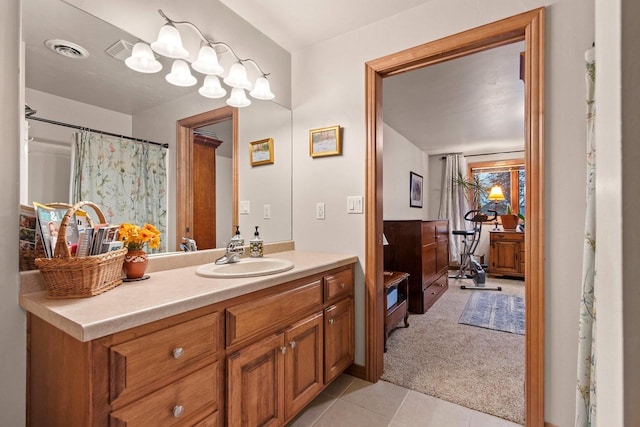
x=247, y=267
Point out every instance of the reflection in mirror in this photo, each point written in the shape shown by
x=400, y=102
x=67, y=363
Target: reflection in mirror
x=100, y=92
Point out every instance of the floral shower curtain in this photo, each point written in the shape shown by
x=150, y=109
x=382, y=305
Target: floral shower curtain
x=127, y=179
x=586, y=386
x=453, y=200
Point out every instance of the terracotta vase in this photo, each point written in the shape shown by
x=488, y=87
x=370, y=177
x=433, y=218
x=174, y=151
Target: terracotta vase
x=135, y=264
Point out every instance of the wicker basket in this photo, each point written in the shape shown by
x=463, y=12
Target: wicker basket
x=78, y=277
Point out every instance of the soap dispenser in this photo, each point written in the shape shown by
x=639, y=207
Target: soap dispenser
x=237, y=238
x=256, y=245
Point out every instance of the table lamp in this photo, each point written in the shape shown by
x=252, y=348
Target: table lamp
x=496, y=195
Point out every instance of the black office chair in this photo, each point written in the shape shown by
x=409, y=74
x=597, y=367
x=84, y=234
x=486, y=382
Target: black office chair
x=469, y=267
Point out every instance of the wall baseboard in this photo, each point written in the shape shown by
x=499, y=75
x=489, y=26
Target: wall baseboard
x=358, y=371
x=546, y=424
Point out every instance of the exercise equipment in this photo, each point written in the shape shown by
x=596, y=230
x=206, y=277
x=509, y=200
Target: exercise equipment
x=469, y=267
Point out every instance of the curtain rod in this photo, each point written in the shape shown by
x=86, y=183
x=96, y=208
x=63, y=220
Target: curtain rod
x=53, y=122
x=489, y=154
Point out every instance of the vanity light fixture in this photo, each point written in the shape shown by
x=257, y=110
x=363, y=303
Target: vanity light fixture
x=169, y=44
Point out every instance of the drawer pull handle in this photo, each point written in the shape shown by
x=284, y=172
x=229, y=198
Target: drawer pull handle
x=177, y=352
x=292, y=344
x=177, y=411
x=283, y=349
x=331, y=321
x=433, y=293
x=342, y=285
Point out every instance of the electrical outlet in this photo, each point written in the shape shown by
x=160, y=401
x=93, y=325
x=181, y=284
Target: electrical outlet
x=267, y=212
x=319, y=210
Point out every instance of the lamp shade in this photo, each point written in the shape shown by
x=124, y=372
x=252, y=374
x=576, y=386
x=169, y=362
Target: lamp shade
x=169, y=43
x=180, y=74
x=238, y=98
x=262, y=90
x=212, y=88
x=207, y=62
x=496, y=193
x=237, y=77
x=142, y=59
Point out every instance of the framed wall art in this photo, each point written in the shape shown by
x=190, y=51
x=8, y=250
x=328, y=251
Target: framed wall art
x=415, y=190
x=261, y=152
x=325, y=142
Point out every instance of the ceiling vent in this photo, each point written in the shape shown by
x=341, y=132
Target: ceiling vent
x=120, y=50
x=66, y=48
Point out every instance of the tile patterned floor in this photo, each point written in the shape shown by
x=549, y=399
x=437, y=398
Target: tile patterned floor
x=352, y=402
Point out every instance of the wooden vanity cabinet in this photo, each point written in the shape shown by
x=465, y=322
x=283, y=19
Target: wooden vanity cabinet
x=257, y=359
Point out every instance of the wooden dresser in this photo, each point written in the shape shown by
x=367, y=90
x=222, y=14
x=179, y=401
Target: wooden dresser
x=506, y=253
x=420, y=248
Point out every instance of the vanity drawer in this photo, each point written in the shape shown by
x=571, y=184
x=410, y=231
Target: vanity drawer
x=251, y=318
x=159, y=355
x=183, y=402
x=434, y=291
x=338, y=285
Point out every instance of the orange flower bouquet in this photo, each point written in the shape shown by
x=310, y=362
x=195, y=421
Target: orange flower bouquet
x=135, y=238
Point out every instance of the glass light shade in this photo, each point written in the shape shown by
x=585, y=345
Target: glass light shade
x=180, y=74
x=207, y=62
x=238, y=98
x=237, y=77
x=496, y=193
x=212, y=88
x=262, y=90
x=169, y=43
x=142, y=59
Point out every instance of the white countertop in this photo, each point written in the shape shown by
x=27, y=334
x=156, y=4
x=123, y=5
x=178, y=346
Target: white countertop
x=165, y=293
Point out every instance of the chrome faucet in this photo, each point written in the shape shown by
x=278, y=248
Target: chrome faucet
x=232, y=254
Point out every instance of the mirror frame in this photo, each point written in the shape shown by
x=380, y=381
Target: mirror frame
x=184, y=162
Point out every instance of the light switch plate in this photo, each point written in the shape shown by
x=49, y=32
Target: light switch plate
x=355, y=204
x=245, y=207
x=267, y=212
x=319, y=210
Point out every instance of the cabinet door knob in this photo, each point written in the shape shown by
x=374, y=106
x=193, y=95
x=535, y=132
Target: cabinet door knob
x=292, y=344
x=177, y=411
x=283, y=349
x=433, y=293
x=177, y=352
x=331, y=321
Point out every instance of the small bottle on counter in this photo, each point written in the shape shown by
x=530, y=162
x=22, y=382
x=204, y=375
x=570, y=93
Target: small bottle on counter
x=237, y=238
x=256, y=245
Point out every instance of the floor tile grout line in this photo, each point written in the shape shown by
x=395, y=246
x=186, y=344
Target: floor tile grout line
x=406, y=396
x=333, y=401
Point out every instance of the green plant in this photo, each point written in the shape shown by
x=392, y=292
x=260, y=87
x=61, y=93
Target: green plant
x=473, y=188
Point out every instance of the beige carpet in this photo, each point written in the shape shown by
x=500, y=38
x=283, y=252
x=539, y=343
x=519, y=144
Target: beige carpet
x=478, y=368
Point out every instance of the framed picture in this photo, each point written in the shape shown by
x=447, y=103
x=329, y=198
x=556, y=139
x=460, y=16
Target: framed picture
x=415, y=190
x=261, y=152
x=325, y=142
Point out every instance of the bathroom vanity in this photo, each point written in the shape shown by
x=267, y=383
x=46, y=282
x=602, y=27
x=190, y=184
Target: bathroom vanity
x=181, y=349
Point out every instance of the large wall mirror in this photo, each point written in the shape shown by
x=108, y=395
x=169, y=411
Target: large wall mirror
x=100, y=92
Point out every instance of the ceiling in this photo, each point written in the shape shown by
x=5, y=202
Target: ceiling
x=471, y=104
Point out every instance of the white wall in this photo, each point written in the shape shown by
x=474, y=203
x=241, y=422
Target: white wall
x=400, y=157
x=50, y=152
x=617, y=204
x=325, y=94
x=12, y=317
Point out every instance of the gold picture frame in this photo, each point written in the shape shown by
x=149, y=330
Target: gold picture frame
x=261, y=152
x=325, y=141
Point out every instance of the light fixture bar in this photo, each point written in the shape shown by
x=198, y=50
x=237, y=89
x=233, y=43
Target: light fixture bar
x=211, y=42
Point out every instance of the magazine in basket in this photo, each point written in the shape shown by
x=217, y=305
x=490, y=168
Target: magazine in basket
x=48, y=223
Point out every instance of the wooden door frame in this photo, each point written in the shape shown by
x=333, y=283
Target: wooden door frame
x=184, y=163
x=528, y=26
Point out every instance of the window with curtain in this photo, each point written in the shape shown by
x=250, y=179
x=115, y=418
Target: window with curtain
x=510, y=176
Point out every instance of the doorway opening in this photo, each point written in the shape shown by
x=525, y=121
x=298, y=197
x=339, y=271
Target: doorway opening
x=195, y=190
x=527, y=27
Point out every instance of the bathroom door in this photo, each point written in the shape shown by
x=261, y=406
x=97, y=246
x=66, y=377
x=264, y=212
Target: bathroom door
x=204, y=191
